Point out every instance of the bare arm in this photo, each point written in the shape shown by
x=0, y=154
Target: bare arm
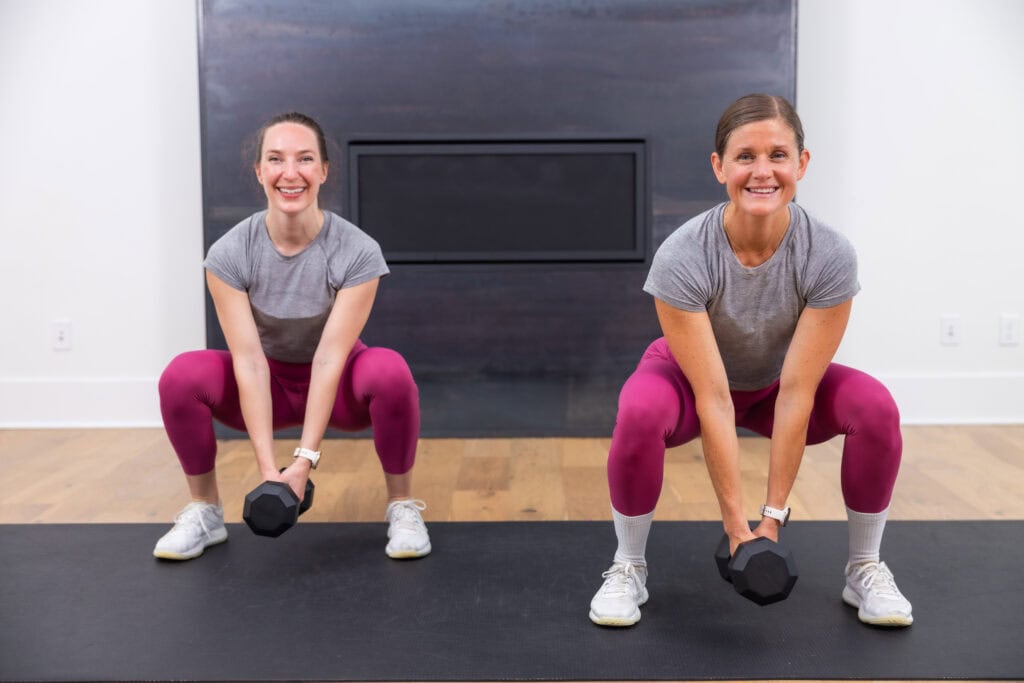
x=348, y=316
x=251, y=371
x=692, y=341
x=818, y=334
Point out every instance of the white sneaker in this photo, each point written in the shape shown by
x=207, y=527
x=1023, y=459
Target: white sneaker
x=406, y=530
x=617, y=602
x=197, y=526
x=871, y=588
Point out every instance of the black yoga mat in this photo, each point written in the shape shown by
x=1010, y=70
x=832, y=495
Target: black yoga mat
x=495, y=601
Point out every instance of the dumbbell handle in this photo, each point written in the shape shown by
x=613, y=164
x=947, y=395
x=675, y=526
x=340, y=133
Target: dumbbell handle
x=307, y=497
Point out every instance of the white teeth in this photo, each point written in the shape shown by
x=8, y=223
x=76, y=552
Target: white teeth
x=291, y=190
x=761, y=190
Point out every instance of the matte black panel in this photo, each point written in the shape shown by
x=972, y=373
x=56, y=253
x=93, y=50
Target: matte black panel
x=658, y=70
x=506, y=201
x=495, y=601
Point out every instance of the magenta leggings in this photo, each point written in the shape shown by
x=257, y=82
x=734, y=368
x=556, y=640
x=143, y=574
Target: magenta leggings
x=657, y=411
x=376, y=389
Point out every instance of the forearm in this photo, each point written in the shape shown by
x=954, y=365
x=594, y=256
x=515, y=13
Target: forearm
x=253, y=378
x=814, y=343
x=789, y=437
x=692, y=341
x=721, y=455
x=323, y=393
x=348, y=316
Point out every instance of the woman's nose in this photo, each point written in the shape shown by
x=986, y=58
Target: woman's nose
x=762, y=167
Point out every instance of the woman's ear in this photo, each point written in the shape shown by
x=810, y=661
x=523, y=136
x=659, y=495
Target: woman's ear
x=805, y=158
x=716, y=166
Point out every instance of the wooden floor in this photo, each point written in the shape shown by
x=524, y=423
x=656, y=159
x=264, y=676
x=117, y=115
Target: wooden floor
x=132, y=475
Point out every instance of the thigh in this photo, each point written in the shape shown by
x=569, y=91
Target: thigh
x=847, y=401
x=367, y=370
x=657, y=397
x=204, y=377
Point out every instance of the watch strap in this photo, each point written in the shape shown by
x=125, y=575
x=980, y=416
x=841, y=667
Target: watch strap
x=775, y=513
x=312, y=456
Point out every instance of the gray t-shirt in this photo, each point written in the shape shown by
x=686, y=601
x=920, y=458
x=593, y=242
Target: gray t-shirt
x=753, y=311
x=291, y=296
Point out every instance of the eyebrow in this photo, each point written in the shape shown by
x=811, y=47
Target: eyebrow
x=774, y=146
x=277, y=151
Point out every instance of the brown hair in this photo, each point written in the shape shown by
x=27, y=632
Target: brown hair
x=302, y=120
x=757, y=107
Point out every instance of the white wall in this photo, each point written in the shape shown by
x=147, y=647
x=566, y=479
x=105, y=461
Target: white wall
x=911, y=109
x=100, y=206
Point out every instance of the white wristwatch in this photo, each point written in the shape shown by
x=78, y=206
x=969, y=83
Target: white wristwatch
x=775, y=513
x=311, y=456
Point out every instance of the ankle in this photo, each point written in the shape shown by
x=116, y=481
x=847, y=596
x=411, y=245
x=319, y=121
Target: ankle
x=638, y=562
x=859, y=563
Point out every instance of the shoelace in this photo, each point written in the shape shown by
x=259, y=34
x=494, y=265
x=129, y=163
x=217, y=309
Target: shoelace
x=878, y=578
x=404, y=514
x=618, y=578
x=193, y=514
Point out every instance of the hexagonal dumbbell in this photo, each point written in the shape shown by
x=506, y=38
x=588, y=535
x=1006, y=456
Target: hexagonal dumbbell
x=272, y=508
x=761, y=570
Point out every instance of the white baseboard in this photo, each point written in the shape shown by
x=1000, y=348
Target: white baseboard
x=88, y=402
x=955, y=398
x=958, y=398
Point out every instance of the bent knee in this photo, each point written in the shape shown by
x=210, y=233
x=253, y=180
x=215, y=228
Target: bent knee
x=647, y=409
x=185, y=375
x=871, y=413
x=872, y=406
x=642, y=418
x=384, y=371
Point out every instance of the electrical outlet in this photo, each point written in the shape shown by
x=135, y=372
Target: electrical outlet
x=949, y=330
x=1009, y=329
x=60, y=335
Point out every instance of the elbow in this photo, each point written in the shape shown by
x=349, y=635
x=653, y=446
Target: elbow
x=328, y=364
x=249, y=364
x=795, y=399
x=716, y=407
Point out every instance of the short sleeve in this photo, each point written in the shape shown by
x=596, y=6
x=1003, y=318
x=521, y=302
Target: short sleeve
x=366, y=265
x=680, y=273
x=354, y=256
x=227, y=259
x=832, y=270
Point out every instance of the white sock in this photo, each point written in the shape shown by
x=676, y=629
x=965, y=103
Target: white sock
x=632, y=534
x=866, y=530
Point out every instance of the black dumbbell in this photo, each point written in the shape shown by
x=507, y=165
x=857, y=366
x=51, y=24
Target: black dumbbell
x=761, y=570
x=272, y=508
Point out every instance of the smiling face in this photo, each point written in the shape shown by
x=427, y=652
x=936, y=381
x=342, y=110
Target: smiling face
x=290, y=168
x=760, y=167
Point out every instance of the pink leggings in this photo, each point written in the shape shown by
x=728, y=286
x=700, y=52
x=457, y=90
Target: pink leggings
x=376, y=389
x=657, y=411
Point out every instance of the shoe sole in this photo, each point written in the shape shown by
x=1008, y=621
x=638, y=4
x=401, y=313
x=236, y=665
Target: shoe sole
x=615, y=621
x=408, y=554
x=621, y=621
x=168, y=555
x=851, y=599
